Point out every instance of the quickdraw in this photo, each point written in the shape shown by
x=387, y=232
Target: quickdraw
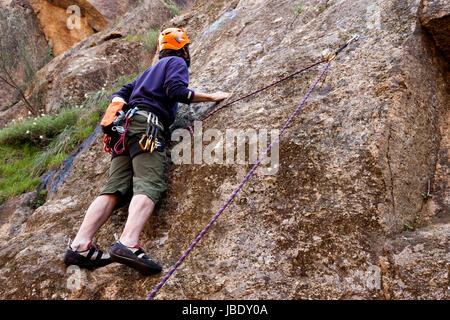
x=332, y=57
x=149, y=141
x=121, y=143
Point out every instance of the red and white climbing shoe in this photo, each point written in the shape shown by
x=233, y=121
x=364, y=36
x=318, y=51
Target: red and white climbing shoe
x=135, y=258
x=90, y=258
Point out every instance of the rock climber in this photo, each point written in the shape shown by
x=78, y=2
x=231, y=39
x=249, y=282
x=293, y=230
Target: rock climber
x=138, y=169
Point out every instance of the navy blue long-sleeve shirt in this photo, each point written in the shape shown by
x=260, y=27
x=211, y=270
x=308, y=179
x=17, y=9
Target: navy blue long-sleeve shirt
x=159, y=89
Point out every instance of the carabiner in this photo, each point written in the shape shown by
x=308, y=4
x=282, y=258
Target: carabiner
x=141, y=142
x=354, y=38
x=118, y=129
x=330, y=57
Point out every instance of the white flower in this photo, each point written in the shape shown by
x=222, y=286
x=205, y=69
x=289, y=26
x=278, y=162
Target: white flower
x=41, y=137
x=34, y=123
x=28, y=131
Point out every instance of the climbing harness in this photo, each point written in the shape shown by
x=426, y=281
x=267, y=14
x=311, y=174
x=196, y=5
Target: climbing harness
x=149, y=141
x=328, y=61
x=119, y=127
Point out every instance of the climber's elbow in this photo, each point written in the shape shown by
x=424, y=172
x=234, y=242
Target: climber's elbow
x=180, y=94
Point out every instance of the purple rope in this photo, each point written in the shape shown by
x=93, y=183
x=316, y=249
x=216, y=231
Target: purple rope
x=235, y=192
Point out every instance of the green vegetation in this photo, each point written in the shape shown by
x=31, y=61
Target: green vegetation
x=414, y=226
x=14, y=164
x=50, y=52
x=39, y=200
x=38, y=130
x=29, y=148
x=173, y=7
x=33, y=146
x=150, y=38
x=299, y=8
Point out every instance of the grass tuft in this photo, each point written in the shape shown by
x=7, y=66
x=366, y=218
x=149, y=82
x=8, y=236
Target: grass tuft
x=174, y=8
x=299, y=8
x=150, y=38
x=38, y=130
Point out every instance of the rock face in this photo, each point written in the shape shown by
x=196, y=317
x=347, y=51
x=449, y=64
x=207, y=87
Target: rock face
x=86, y=66
x=99, y=59
x=26, y=41
x=331, y=223
x=435, y=16
x=112, y=10
x=54, y=15
x=416, y=266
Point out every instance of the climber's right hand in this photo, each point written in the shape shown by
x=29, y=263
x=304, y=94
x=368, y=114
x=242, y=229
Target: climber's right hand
x=219, y=96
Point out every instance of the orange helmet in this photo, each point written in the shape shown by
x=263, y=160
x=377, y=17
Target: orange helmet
x=172, y=38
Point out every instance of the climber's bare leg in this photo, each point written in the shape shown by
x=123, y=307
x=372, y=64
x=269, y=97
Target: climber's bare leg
x=97, y=214
x=141, y=208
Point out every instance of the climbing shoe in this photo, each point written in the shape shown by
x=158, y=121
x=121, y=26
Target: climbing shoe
x=135, y=258
x=91, y=258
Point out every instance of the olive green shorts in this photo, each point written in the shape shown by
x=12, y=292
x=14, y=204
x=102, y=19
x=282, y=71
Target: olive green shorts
x=141, y=175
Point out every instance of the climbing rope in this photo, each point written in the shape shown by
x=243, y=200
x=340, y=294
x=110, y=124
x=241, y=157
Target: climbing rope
x=328, y=60
x=257, y=91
